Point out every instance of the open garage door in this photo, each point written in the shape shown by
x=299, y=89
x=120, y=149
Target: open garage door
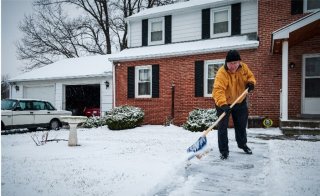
x=79, y=97
x=40, y=92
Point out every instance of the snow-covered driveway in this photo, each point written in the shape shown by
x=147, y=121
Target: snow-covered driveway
x=150, y=160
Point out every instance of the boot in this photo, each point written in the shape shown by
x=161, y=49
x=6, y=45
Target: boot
x=246, y=149
x=224, y=155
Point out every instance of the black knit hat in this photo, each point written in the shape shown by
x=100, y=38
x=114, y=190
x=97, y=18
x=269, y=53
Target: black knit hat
x=233, y=55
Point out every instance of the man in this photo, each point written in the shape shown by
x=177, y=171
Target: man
x=230, y=82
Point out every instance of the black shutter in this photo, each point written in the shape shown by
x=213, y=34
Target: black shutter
x=145, y=32
x=296, y=7
x=198, y=78
x=155, y=81
x=236, y=19
x=167, y=27
x=205, y=23
x=131, y=82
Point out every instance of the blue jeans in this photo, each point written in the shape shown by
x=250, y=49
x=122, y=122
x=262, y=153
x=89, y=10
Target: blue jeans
x=239, y=114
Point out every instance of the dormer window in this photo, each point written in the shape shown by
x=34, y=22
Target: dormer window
x=156, y=31
x=311, y=5
x=221, y=22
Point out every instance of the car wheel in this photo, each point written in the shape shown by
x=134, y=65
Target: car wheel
x=55, y=124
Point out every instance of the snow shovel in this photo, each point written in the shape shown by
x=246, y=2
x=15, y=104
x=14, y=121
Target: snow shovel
x=196, y=148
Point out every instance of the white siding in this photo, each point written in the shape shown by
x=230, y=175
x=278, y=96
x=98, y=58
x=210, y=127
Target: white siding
x=16, y=94
x=60, y=102
x=249, y=17
x=186, y=26
x=135, y=34
x=105, y=97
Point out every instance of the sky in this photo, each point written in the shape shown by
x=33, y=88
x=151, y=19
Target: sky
x=151, y=160
x=12, y=12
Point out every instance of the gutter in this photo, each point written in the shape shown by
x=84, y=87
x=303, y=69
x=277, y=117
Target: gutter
x=61, y=78
x=183, y=53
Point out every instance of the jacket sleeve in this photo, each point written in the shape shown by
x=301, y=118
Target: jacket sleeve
x=219, y=88
x=251, y=78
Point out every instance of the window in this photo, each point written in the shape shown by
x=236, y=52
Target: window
x=49, y=106
x=221, y=22
x=38, y=105
x=143, y=77
x=210, y=71
x=26, y=105
x=312, y=77
x=8, y=104
x=311, y=5
x=156, y=32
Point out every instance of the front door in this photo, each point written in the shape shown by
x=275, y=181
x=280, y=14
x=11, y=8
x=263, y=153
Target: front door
x=311, y=84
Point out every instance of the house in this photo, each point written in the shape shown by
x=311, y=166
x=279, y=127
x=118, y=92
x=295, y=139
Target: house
x=175, y=50
x=70, y=84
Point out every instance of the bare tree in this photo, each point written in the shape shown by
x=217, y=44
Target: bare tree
x=52, y=33
x=5, y=86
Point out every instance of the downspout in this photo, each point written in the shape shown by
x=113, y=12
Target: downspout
x=172, y=100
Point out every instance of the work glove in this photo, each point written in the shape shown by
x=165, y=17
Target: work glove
x=250, y=86
x=226, y=108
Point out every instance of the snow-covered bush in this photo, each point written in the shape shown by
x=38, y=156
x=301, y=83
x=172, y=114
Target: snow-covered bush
x=124, y=117
x=200, y=119
x=94, y=121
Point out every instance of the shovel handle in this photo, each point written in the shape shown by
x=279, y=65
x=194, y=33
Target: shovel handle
x=223, y=114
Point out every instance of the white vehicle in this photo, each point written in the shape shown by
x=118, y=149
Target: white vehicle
x=31, y=114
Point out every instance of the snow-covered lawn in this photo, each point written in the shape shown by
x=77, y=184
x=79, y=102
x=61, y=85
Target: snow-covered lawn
x=151, y=160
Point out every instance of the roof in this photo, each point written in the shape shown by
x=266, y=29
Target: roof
x=284, y=32
x=89, y=66
x=186, y=48
x=296, y=32
x=182, y=6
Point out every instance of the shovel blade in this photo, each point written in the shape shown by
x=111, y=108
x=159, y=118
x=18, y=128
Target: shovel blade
x=198, y=145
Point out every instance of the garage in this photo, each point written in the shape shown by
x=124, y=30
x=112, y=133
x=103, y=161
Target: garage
x=79, y=97
x=70, y=84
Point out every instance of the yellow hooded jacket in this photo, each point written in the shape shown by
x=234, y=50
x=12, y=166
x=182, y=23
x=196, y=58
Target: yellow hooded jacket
x=229, y=86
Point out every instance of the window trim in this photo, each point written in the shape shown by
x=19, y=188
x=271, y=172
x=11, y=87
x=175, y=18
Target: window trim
x=212, y=11
x=305, y=6
x=150, y=21
x=205, y=75
x=136, y=73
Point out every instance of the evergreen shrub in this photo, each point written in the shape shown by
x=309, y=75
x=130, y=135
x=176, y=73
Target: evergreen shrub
x=94, y=121
x=200, y=119
x=124, y=117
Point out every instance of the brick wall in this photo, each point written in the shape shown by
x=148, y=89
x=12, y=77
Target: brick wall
x=265, y=101
x=180, y=71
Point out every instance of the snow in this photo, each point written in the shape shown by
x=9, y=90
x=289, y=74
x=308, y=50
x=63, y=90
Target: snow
x=186, y=48
x=88, y=66
x=151, y=160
